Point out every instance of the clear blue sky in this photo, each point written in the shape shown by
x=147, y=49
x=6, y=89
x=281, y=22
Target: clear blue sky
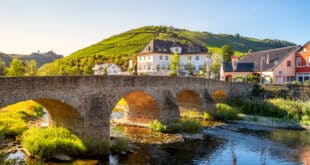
x=68, y=25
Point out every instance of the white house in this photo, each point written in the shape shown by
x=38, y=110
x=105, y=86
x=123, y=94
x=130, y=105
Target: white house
x=110, y=68
x=155, y=57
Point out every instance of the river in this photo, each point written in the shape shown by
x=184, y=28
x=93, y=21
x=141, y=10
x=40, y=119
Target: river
x=226, y=144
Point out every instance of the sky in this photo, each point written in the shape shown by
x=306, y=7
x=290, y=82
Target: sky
x=65, y=26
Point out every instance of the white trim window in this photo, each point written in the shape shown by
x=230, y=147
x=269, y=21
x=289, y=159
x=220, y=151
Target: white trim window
x=298, y=62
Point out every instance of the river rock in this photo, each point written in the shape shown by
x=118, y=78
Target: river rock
x=61, y=157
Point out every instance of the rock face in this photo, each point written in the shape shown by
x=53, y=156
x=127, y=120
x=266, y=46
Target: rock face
x=40, y=58
x=84, y=103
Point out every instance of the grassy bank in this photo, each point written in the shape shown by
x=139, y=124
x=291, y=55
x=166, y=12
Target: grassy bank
x=14, y=119
x=178, y=126
x=43, y=143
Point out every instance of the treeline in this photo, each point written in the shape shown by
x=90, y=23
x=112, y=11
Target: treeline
x=19, y=68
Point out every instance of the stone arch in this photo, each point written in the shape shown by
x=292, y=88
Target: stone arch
x=63, y=111
x=141, y=106
x=189, y=100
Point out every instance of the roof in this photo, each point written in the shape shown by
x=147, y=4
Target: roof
x=103, y=66
x=241, y=67
x=276, y=56
x=163, y=46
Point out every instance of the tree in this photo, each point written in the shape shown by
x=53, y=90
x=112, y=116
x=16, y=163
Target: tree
x=3, y=69
x=175, y=62
x=189, y=66
x=227, y=51
x=216, y=64
x=31, y=68
x=17, y=68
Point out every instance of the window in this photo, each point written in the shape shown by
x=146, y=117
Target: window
x=288, y=63
x=166, y=57
x=157, y=67
x=298, y=62
x=176, y=50
x=149, y=48
x=163, y=67
x=308, y=61
x=149, y=67
x=280, y=73
x=280, y=79
x=140, y=58
x=144, y=58
x=148, y=57
x=160, y=57
x=197, y=58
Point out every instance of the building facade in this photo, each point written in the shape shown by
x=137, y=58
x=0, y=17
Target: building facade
x=106, y=69
x=302, y=62
x=156, y=56
x=275, y=65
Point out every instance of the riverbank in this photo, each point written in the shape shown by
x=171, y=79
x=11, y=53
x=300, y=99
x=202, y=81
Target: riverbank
x=270, y=122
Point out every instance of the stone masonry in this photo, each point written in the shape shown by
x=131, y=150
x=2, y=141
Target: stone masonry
x=84, y=103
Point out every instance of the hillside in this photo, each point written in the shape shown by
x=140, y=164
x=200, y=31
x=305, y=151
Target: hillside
x=119, y=48
x=41, y=58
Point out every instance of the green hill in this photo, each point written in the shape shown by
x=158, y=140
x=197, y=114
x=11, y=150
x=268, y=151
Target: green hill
x=120, y=48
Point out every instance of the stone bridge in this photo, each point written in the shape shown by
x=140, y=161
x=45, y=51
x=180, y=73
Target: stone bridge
x=84, y=103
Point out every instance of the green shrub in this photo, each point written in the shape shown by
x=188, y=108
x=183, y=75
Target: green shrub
x=207, y=116
x=157, y=126
x=95, y=147
x=119, y=145
x=225, y=112
x=172, y=74
x=307, y=82
x=42, y=143
x=190, y=126
x=2, y=133
x=295, y=82
x=178, y=126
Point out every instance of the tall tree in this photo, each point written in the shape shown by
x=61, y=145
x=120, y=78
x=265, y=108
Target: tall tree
x=227, y=52
x=216, y=64
x=175, y=62
x=31, y=68
x=3, y=69
x=17, y=68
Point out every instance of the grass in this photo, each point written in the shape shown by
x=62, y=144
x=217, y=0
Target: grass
x=279, y=108
x=177, y=126
x=14, y=118
x=42, y=143
x=119, y=145
x=225, y=112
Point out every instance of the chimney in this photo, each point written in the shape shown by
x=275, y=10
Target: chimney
x=268, y=59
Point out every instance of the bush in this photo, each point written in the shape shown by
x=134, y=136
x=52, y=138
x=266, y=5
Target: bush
x=2, y=132
x=42, y=143
x=172, y=74
x=95, y=147
x=225, y=112
x=186, y=126
x=219, y=96
x=307, y=82
x=253, y=78
x=119, y=145
x=295, y=82
x=207, y=116
x=157, y=126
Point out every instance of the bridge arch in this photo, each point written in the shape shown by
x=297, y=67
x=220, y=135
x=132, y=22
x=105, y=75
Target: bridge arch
x=141, y=106
x=189, y=100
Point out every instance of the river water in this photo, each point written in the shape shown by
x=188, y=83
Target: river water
x=226, y=144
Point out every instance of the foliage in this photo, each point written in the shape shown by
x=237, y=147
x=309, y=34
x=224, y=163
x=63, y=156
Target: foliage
x=307, y=82
x=257, y=90
x=42, y=143
x=219, y=96
x=14, y=118
x=122, y=47
x=3, y=69
x=17, y=68
x=189, y=66
x=281, y=108
x=157, y=126
x=295, y=82
x=225, y=112
x=119, y=145
x=253, y=78
x=31, y=68
x=175, y=62
x=207, y=116
x=172, y=74
x=239, y=79
x=95, y=147
x=227, y=52
x=177, y=126
x=217, y=61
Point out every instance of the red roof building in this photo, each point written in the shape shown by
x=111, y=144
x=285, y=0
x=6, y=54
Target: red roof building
x=302, y=60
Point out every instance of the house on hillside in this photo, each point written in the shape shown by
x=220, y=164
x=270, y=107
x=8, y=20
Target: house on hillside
x=303, y=63
x=155, y=57
x=243, y=69
x=107, y=68
x=275, y=65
